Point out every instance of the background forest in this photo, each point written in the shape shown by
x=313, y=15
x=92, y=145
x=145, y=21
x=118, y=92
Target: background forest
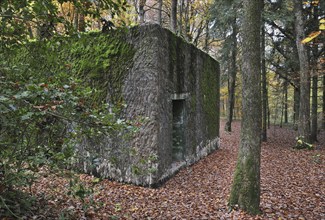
x=292, y=37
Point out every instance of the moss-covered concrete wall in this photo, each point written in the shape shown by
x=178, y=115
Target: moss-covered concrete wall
x=150, y=73
x=165, y=71
x=191, y=76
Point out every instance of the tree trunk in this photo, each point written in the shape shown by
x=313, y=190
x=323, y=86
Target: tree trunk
x=141, y=11
x=180, y=18
x=245, y=190
x=76, y=19
x=264, y=88
x=186, y=20
x=207, y=37
x=268, y=115
x=285, y=102
x=282, y=108
x=232, y=70
x=314, y=109
x=314, y=105
x=159, y=12
x=304, y=108
x=323, y=102
x=81, y=23
x=296, y=98
x=173, y=16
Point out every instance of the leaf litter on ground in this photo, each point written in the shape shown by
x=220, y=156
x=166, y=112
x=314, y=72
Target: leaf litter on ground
x=292, y=187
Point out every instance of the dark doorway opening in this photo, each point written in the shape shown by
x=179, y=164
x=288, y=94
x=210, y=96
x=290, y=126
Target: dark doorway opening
x=178, y=129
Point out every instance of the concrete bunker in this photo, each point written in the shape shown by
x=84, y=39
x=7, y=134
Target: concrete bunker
x=175, y=88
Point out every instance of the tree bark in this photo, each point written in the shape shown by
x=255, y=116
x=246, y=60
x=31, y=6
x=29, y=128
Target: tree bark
x=76, y=19
x=304, y=108
x=314, y=109
x=296, y=98
x=314, y=105
x=186, y=20
x=207, y=37
x=173, y=16
x=285, y=102
x=160, y=12
x=323, y=116
x=141, y=11
x=81, y=23
x=245, y=190
x=264, y=88
x=232, y=70
x=180, y=18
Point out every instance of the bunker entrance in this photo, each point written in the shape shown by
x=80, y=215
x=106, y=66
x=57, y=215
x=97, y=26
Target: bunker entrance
x=178, y=148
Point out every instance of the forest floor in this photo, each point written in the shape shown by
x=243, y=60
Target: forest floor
x=292, y=187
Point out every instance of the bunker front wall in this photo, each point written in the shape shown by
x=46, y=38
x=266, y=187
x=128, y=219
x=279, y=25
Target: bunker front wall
x=172, y=89
x=188, y=99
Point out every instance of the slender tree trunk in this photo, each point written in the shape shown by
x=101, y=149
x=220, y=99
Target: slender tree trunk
x=304, y=108
x=314, y=109
x=187, y=23
x=282, y=109
x=323, y=102
x=180, y=18
x=142, y=3
x=296, y=98
x=232, y=70
x=286, y=102
x=76, y=19
x=268, y=115
x=207, y=37
x=245, y=190
x=160, y=12
x=81, y=23
x=264, y=88
x=173, y=17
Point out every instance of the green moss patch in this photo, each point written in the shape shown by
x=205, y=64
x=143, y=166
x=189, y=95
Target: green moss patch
x=100, y=61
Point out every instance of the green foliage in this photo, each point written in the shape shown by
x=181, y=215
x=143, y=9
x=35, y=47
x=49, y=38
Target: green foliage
x=18, y=18
x=317, y=158
x=15, y=203
x=146, y=165
x=41, y=122
x=302, y=144
x=53, y=94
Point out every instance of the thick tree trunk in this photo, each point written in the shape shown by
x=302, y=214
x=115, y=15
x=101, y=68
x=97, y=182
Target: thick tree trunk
x=314, y=110
x=245, y=190
x=232, y=70
x=304, y=108
x=264, y=88
x=173, y=16
x=314, y=105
